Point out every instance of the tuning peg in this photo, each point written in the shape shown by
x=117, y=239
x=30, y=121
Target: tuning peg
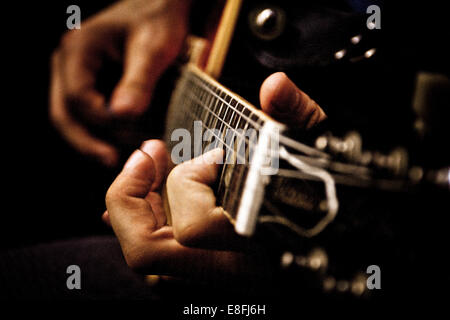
x=356, y=39
x=396, y=161
x=359, y=284
x=353, y=143
x=267, y=23
x=286, y=260
x=440, y=177
x=350, y=146
x=316, y=260
x=415, y=174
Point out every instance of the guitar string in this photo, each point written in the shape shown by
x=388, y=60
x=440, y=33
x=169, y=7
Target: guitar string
x=223, y=123
x=210, y=104
x=287, y=141
x=241, y=169
x=291, y=143
x=253, y=122
x=202, y=103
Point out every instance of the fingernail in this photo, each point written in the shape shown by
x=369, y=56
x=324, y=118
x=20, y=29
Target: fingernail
x=150, y=146
x=286, y=96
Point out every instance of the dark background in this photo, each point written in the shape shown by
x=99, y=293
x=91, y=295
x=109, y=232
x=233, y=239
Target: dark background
x=50, y=192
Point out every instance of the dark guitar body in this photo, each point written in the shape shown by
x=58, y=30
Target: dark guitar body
x=404, y=231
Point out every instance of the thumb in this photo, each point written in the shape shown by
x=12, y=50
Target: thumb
x=136, y=179
x=283, y=100
x=148, y=53
x=133, y=189
x=196, y=219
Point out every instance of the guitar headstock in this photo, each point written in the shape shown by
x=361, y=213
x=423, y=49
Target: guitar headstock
x=291, y=177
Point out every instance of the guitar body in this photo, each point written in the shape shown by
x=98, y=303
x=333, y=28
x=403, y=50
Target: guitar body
x=381, y=201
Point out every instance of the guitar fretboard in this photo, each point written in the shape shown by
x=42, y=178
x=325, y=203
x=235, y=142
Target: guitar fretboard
x=222, y=119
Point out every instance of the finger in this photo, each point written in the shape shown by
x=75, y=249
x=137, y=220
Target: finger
x=149, y=51
x=160, y=253
x=158, y=151
x=150, y=249
x=73, y=132
x=105, y=218
x=196, y=219
x=281, y=98
x=80, y=65
x=125, y=199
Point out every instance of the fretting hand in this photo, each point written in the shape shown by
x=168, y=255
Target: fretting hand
x=200, y=243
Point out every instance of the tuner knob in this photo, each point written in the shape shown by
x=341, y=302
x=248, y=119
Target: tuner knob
x=267, y=23
x=416, y=174
x=286, y=260
x=398, y=161
x=318, y=259
x=321, y=143
x=440, y=177
x=359, y=284
x=354, y=145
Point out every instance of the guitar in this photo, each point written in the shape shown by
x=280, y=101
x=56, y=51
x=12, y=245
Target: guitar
x=299, y=192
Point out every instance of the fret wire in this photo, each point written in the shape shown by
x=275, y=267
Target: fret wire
x=237, y=118
x=217, y=118
x=255, y=124
x=215, y=115
x=222, y=186
x=226, y=124
x=241, y=173
x=220, y=140
x=223, y=122
x=232, y=195
x=207, y=115
x=214, y=111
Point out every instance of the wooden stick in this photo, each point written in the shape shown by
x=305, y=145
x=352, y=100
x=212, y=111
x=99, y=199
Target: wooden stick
x=223, y=37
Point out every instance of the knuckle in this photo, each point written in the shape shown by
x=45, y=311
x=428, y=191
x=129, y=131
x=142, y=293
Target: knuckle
x=163, y=42
x=112, y=195
x=186, y=233
x=69, y=39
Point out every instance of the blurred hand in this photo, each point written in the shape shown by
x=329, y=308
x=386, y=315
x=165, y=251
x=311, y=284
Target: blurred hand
x=146, y=36
x=200, y=243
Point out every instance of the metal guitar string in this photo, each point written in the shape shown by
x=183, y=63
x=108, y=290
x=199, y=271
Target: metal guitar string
x=330, y=191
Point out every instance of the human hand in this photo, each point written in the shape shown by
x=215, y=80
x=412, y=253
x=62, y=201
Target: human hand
x=146, y=36
x=136, y=213
x=200, y=243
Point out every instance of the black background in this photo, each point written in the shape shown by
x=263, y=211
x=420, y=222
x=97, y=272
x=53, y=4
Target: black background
x=49, y=191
